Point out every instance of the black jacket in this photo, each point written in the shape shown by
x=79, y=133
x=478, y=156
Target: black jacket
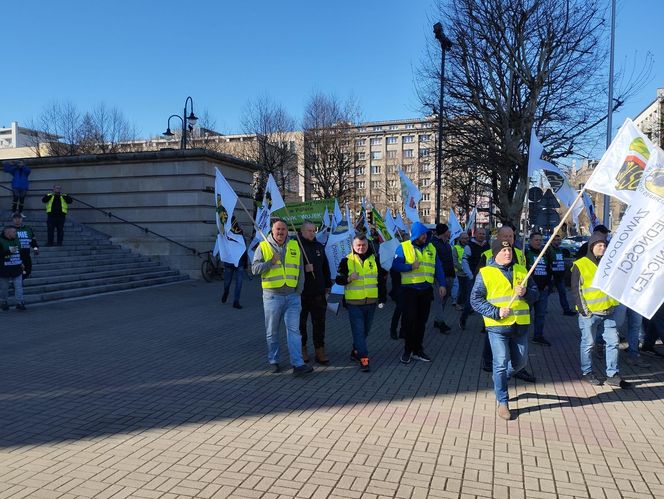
x=321, y=279
x=444, y=254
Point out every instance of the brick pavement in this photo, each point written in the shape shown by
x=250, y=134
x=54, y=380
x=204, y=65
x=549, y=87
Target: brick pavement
x=165, y=392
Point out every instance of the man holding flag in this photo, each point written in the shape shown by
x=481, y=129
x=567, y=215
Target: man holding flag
x=279, y=263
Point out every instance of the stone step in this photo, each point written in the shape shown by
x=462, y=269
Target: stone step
x=62, y=250
x=63, y=267
x=93, y=282
x=104, y=288
x=82, y=256
x=57, y=270
x=92, y=273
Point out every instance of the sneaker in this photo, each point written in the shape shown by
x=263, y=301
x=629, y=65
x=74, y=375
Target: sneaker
x=5, y=306
x=302, y=370
x=364, y=364
x=422, y=357
x=542, y=341
x=569, y=313
x=458, y=307
x=354, y=355
x=406, y=358
x=487, y=366
x=444, y=328
x=21, y=306
x=224, y=298
x=503, y=412
x=237, y=305
x=651, y=352
x=275, y=368
x=616, y=381
x=524, y=375
x=634, y=361
x=591, y=379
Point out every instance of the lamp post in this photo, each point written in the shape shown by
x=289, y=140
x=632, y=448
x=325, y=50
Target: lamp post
x=188, y=123
x=606, y=212
x=445, y=45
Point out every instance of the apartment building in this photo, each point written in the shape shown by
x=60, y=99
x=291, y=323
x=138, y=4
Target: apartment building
x=651, y=120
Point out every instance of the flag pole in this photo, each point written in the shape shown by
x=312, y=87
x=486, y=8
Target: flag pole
x=253, y=222
x=525, y=222
x=548, y=243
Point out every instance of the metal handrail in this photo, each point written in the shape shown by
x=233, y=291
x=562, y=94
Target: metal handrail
x=111, y=215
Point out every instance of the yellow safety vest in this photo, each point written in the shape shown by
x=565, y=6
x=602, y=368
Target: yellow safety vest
x=596, y=300
x=459, y=250
x=427, y=259
x=285, y=274
x=365, y=288
x=520, y=257
x=499, y=292
x=63, y=203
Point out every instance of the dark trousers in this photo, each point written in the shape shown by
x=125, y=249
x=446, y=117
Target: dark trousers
x=18, y=199
x=654, y=328
x=316, y=305
x=559, y=285
x=53, y=223
x=397, y=296
x=27, y=262
x=415, y=314
x=467, y=309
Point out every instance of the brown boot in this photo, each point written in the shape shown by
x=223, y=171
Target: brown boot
x=320, y=356
x=504, y=412
x=305, y=354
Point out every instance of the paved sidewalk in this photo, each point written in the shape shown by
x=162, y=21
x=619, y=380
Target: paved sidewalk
x=165, y=392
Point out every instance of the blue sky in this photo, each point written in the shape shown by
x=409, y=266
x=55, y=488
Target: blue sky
x=145, y=57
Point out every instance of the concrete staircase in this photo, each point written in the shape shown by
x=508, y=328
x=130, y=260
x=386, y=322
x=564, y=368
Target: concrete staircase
x=88, y=264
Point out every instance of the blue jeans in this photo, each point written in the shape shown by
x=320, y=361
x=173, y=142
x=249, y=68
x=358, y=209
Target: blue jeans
x=467, y=309
x=510, y=355
x=361, y=317
x=455, y=290
x=634, y=332
x=18, y=288
x=559, y=284
x=538, y=309
x=286, y=308
x=229, y=271
x=588, y=325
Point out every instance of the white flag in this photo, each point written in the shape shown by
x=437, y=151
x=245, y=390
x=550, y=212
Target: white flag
x=231, y=246
x=338, y=246
x=470, y=223
x=326, y=218
x=389, y=223
x=387, y=251
x=454, y=225
x=632, y=268
x=337, y=217
x=272, y=198
x=535, y=161
x=398, y=221
x=620, y=169
x=411, y=196
x=272, y=201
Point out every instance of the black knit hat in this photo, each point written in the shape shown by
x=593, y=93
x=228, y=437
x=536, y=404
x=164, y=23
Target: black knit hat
x=498, y=245
x=441, y=229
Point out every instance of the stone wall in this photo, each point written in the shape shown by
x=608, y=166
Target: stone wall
x=170, y=192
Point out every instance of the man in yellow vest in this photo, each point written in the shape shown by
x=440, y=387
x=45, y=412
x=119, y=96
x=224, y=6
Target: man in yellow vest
x=507, y=327
x=279, y=263
x=57, y=206
x=595, y=308
x=416, y=260
x=358, y=273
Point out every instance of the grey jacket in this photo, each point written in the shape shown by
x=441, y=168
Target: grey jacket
x=259, y=266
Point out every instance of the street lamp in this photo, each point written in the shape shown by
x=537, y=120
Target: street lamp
x=188, y=123
x=445, y=45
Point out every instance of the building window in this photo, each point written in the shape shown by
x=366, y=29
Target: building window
x=360, y=142
x=360, y=155
x=424, y=212
x=376, y=155
x=360, y=184
x=392, y=197
x=426, y=167
x=391, y=183
x=375, y=169
x=376, y=184
x=424, y=182
x=426, y=196
x=391, y=154
x=394, y=127
x=425, y=138
x=376, y=141
x=392, y=140
x=409, y=126
x=377, y=128
x=391, y=168
x=407, y=139
x=409, y=168
x=359, y=170
x=362, y=129
x=424, y=152
x=408, y=153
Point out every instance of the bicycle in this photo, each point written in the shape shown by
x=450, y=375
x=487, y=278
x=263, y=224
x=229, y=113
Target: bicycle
x=212, y=268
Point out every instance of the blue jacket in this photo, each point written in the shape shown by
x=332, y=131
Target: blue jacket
x=480, y=304
x=400, y=264
x=19, y=175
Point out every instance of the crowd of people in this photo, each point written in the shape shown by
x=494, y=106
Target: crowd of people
x=475, y=274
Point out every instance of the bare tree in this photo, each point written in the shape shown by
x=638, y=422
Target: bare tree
x=329, y=154
x=66, y=131
x=517, y=65
x=273, y=144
